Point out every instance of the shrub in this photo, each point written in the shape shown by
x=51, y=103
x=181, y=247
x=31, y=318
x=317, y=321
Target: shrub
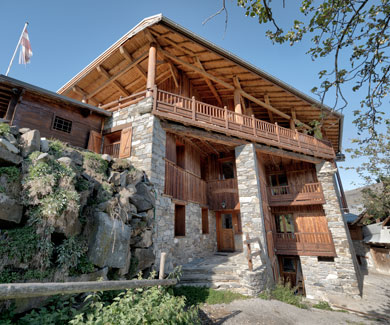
x=4, y=129
x=95, y=162
x=12, y=173
x=56, y=147
x=285, y=294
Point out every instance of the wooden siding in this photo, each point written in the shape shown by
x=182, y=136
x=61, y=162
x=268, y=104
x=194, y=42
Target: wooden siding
x=301, y=194
x=34, y=112
x=219, y=191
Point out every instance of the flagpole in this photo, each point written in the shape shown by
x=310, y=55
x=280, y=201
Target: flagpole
x=13, y=57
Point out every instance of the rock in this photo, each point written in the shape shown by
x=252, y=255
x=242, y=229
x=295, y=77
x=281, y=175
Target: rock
x=8, y=145
x=14, y=130
x=8, y=157
x=109, y=241
x=146, y=239
x=68, y=223
x=24, y=130
x=115, y=178
x=107, y=157
x=44, y=157
x=30, y=142
x=11, y=188
x=94, y=276
x=44, y=145
x=145, y=258
x=124, y=270
x=10, y=209
x=74, y=155
x=134, y=176
x=10, y=137
x=123, y=178
x=137, y=227
x=144, y=200
x=65, y=161
x=87, y=176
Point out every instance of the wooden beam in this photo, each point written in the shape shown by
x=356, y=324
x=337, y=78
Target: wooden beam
x=209, y=83
x=118, y=74
x=292, y=121
x=174, y=73
x=286, y=154
x=117, y=85
x=84, y=94
x=198, y=70
x=201, y=134
x=208, y=145
x=270, y=114
x=170, y=42
x=129, y=58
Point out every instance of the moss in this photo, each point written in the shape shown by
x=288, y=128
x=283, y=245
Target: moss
x=4, y=129
x=12, y=173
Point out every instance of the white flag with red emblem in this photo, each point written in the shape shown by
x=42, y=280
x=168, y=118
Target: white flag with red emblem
x=25, y=49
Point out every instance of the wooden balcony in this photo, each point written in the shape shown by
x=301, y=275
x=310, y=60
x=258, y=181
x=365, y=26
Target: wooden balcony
x=304, y=194
x=112, y=149
x=190, y=111
x=183, y=185
x=304, y=243
x=222, y=192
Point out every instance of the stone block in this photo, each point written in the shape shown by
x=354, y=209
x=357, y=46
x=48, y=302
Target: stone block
x=44, y=145
x=143, y=199
x=8, y=145
x=10, y=209
x=109, y=241
x=145, y=258
x=7, y=157
x=30, y=142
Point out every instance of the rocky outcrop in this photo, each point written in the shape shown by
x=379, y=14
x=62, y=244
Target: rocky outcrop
x=10, y=209
x=30, y=142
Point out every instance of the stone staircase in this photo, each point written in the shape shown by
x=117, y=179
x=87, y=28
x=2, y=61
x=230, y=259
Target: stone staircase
x=218, y=271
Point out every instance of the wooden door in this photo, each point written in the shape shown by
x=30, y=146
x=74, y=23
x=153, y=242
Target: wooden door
x=226, y=232
x=291, y=272
x=125, y=145
x=95, y=142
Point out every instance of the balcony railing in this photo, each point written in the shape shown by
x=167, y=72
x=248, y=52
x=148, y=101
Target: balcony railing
x=188, y=110
x=305, y=243
x=310, y=193
x=112, y=149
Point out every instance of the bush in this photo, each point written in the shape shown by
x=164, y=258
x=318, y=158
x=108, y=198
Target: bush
x=56, y=147
x=4, y=129
x=71, y=252
x=285, y=294
x=12, y=173
x=95, y=162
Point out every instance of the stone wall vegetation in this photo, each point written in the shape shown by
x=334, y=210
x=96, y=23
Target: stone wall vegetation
x=67, y=214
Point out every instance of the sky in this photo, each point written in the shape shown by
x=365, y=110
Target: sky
x=67, y=35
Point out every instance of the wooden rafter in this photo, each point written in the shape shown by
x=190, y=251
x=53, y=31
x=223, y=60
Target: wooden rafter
x=270, y=114
x=170, y=42
x=209, y=83
x=118, y=74
x=209, y=146
x=130, y=58
x=116, y=83
x=84, y=94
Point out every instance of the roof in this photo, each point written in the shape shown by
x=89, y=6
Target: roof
x=159, y=26
x=14, y=83
x=376, y=234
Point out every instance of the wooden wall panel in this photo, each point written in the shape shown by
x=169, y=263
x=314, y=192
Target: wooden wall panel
x=192, y=160
x=37, y=113
x=171, y=147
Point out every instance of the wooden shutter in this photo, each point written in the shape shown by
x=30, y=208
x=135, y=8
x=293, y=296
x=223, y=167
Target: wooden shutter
x=95, y=142
x=125, y=146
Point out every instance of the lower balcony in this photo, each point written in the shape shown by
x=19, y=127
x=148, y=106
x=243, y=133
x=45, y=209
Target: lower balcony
x=295, y=194
x=304, y=243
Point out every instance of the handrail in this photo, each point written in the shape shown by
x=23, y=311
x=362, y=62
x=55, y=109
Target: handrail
x=295, y=189
x=112, y=149
x=123, y=101
x=189, y=109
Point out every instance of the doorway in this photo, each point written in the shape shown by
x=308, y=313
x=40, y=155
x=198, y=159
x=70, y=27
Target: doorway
x=291, y=272
x=228, y=230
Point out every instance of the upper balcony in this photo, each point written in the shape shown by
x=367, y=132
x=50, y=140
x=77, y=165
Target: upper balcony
x=303, y=194
x=192, y=112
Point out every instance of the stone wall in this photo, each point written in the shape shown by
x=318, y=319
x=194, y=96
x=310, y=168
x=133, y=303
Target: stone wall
x=341, y=275
x=147, y=154
x=252, y=217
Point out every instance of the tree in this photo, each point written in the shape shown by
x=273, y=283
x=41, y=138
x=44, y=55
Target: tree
x=353, y=29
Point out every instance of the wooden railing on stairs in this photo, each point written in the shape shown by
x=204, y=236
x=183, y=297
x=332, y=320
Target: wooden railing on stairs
x=190, y=111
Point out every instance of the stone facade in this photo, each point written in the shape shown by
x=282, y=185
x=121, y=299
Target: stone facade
x=341, y=276
x=252, y=218
x=147, y=154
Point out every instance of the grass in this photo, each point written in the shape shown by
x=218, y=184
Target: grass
x=202, y=295
x=322, y=305
x=284, y=294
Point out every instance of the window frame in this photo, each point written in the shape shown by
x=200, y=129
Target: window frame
x=55, y=117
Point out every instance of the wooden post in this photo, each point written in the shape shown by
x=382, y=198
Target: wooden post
x=162, y=265
x=193, y=108
x=249, y=253
x=155, y=97
x=226, y=117
x=297, y=135
x=277, y=131
x=237, y=104
x=254, y=125
x=151, y=79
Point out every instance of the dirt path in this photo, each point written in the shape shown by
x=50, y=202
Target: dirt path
x=272, y=312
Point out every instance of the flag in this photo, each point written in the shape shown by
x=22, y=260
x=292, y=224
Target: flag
x=25, y=49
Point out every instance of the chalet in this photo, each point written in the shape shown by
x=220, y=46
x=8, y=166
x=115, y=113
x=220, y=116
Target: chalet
x=232, y=155
x=55, y=116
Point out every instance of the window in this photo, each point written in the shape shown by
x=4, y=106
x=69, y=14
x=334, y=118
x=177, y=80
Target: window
x=279, y=184
x=180, y=220
x=62, y=124
x=205, y=221
x=325, y=259
x=288, y=264
x=227, y=169
x=284, y=223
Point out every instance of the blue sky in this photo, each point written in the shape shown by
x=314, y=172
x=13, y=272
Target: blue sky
x=67, y=35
